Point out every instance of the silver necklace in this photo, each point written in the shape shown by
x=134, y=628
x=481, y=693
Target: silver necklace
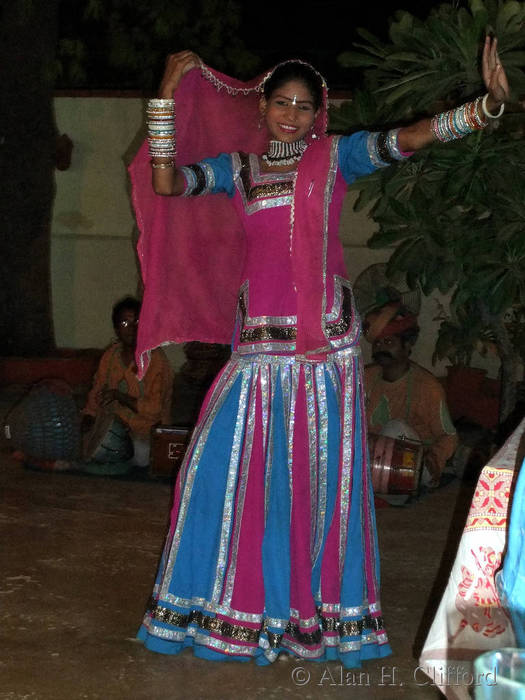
x=284, y=153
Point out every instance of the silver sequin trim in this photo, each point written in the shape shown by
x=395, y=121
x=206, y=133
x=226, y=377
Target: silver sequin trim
x=371, y=146
x=190, y=465
x=191, y=182
x=210, y=177
x=258, y=178
x=323, y=461
x=348, y=399
x=349, y=646
x=375, y=607
x=295, y=369
x=339, y=281
x=325, y=608
x=270, y=348
x=265, y=403
x=318, y=640
x=342, y=319
x=276, y=622
x=233, y=469
x=391, y=144
x=303, y=651
x=207, y=606
x=353, y=612
x=191, y=179
x=311, y=414
x=328, y=191
x=263, y=204
x=330, y=608
x=241, y=494
x=268, y=467
x=306, y=623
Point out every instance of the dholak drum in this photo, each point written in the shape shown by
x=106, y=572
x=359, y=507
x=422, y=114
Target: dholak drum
x=395, y=464
x=109, y=441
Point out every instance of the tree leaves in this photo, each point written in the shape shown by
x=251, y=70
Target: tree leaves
x=454, y=214
x=447, y=45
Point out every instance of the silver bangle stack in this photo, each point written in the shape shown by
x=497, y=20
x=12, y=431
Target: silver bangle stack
x=161, y=131
x=457, y=123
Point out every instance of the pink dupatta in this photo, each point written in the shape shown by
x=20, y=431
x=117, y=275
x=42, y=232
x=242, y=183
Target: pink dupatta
x=191, y=249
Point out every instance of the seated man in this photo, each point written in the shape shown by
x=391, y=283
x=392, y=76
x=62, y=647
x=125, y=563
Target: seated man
x=398, y=389
x=116, y=388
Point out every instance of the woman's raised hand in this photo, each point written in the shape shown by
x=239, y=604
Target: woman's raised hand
x=494, y=74
x=176, y=65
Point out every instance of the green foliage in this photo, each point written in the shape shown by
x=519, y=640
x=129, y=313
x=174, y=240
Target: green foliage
x=430, y=61
x=123, y=43
x=454, y=213
x=460, y=335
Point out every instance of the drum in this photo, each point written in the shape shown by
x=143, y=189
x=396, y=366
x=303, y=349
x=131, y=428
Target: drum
x=109, y=441
x=44, y=424
x=395, y=464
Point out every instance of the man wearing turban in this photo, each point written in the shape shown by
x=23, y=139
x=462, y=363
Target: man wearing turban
x=398, y=389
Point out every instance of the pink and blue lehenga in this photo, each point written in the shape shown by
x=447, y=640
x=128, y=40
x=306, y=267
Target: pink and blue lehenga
x=272, y=543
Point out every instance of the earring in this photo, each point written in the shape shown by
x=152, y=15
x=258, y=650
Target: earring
x=314, y=136
x=261, y=119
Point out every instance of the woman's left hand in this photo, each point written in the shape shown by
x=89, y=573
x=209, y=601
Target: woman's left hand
x=494, y=74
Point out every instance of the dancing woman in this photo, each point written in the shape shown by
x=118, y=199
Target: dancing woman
x=272, y=543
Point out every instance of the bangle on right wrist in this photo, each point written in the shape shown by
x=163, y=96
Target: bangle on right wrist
x=486, y=109
x=457, y=123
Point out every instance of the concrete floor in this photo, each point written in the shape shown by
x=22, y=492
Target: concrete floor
x=77, y=560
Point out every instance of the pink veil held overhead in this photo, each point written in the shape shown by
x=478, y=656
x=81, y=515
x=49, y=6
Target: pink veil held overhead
x=191, y=250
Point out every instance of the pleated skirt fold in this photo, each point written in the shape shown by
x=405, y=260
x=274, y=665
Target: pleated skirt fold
x=272, y=543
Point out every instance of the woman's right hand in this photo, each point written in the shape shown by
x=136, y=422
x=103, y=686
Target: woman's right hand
x=176, y=65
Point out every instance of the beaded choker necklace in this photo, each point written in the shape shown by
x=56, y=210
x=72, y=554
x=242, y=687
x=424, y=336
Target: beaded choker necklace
x=284, y=153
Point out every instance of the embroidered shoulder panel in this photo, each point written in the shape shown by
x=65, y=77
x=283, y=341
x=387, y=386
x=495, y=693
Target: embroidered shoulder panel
x=260, y=190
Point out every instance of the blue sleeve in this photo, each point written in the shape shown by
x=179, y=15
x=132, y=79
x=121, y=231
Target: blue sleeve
x=222, y=172
x=365, y=151
x=209, y=176
x=354, y=156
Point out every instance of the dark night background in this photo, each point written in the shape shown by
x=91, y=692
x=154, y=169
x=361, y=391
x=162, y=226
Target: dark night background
x=318, y=30
x=314, y=30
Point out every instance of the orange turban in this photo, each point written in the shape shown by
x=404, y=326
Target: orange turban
x=388, y=320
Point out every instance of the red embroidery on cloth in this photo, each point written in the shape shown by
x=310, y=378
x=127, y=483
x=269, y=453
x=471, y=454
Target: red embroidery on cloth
x=477, y=600
x=488, y=510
